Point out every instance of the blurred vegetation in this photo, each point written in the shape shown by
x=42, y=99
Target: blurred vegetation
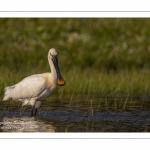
x=104, y=51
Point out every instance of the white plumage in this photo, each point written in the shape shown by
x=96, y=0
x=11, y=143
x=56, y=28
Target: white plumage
x=34, y=89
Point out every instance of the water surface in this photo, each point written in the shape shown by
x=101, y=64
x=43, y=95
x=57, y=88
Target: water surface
x=109, y=114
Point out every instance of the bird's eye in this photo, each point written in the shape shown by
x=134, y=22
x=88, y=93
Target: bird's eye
x=51, y=55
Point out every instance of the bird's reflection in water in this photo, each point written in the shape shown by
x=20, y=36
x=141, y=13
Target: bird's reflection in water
x=26, y=124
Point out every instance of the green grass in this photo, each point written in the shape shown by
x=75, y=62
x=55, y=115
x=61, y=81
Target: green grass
x=94, y=83
x=98, y=56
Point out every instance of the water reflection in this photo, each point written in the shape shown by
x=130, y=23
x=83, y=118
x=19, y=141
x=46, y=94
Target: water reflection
x=26, y=124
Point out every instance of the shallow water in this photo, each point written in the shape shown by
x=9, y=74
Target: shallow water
x=99, y=115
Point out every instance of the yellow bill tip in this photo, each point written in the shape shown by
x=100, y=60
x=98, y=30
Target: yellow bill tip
x=61, y=82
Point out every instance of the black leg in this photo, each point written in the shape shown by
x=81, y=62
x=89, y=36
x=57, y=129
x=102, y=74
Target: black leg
x=33, y=111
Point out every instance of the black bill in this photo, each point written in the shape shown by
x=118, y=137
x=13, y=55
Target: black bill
x=60, y=80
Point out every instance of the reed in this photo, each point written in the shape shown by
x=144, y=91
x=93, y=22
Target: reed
x=91, y=62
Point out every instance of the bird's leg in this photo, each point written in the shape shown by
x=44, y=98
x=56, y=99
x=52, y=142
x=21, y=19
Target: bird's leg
x=34, y=111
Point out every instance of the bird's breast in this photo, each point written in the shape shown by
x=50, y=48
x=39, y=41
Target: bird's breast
x=50, y=82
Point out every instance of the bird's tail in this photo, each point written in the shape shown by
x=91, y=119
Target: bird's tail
x=7, y=93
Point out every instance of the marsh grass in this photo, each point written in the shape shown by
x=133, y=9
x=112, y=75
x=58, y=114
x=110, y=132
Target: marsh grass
x=5, y=107
x=96, y=59
x=18, y=107
x=103, y=83
x=46, y=111
x=147, y=126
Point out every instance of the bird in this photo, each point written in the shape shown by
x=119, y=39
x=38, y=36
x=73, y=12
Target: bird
x=33, y=89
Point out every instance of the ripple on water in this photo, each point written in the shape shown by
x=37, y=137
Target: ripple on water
x=81, y=118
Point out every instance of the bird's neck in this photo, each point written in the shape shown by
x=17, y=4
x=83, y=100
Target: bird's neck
x=53, y=70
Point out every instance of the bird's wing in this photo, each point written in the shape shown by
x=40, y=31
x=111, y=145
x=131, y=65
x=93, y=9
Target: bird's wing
x=30, y=87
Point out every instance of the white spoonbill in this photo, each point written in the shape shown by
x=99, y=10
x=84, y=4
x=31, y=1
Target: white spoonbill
x=34, y=89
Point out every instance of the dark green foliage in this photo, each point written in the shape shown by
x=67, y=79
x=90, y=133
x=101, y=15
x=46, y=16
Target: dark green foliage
x=108, y=44
x=95, y=47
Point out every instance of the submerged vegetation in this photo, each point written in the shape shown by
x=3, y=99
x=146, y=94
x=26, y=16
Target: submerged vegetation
x=96, y=55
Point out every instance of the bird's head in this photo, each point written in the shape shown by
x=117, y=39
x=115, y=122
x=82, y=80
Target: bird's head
x=52, y=53
x=53, y=56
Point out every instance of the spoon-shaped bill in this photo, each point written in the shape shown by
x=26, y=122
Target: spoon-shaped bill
x=60, y=80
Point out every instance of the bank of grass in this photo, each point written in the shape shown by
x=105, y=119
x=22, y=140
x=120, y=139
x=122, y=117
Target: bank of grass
x=92, y=82
x=109, y=90
x=107, y=83
x=96, y=55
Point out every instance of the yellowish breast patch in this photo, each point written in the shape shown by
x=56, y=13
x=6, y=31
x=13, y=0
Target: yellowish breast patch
x=48, y=80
